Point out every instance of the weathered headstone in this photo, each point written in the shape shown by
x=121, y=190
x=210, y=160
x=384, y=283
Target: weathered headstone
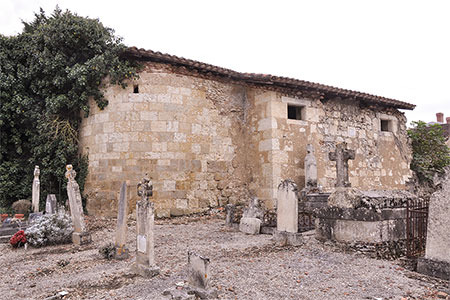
x=36, y=189
x=229, y=209
x=198, y=270
x=437, y=254
x=50, y=204
x=121, y=251
x=310, y=168
x=145, y=252
x=80, y=236
x=341, y=157
x=287, y=214
x=252, y=217
x=287, y=207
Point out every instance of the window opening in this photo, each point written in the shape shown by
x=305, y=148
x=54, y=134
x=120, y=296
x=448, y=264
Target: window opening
x=136, y=89
x=295, y=112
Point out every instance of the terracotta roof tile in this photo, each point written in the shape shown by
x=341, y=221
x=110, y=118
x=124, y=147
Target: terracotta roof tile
x=264, y=79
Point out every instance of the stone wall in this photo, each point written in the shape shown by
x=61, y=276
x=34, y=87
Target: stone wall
x=207, y=142
x=185, y=132
x=382, y=157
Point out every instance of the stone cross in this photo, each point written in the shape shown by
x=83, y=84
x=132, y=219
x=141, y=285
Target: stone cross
x=80, y=236
x=341, y=156
x=287, y=207
x=198, y=270
x=50, y=204
x=36, y=189
x=145, y=252
x=121, y=229
x=310, y=168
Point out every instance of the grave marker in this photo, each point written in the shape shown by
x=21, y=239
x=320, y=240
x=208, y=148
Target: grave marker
x=121, y=251
x=80, y=236
x=145, y=252
x=50, y=204
x=341, y=157
x=36, y=190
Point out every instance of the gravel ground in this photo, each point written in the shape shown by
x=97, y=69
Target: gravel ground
x=242, y=267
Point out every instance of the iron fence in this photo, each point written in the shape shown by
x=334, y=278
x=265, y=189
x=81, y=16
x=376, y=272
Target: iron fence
x=416, y=227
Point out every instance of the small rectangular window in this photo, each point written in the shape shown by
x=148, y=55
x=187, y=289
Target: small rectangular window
x=136, y=89
x=385, y=125
x=295, y=112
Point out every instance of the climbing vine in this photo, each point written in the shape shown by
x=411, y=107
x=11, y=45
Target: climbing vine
x=48, y=74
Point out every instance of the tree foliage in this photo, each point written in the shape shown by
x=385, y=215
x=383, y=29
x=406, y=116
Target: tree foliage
x=48, y=73
x=430, y=153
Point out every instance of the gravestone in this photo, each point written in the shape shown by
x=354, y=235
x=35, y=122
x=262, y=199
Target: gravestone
x=80, y=236
x=198, y=270
x=341, y=157
x=50, y=204
x=229, y=208
x=310, y=168
x=252, y=217
x=36, y=190
x=145, y=252
x=287, y=207
x=121, y=251
x=287, y=214
x=437, y=254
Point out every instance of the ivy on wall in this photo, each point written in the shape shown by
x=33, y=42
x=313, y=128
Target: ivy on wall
x=47, y=75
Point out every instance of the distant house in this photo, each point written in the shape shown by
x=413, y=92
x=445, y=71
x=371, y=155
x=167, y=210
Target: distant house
x=445, y=126
x=208, y=136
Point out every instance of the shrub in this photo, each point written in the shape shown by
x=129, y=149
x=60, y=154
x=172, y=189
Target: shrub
x=22, y=206
x=18, y=239
x=430, y=153
x=50, y=229
x=107, y=251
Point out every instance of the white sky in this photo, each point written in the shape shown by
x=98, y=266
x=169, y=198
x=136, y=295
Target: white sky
x=397, y=49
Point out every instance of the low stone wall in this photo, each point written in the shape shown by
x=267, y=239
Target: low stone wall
x=363, y=225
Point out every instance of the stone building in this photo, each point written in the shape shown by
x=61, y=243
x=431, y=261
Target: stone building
x=445, y=126
x=208, y=136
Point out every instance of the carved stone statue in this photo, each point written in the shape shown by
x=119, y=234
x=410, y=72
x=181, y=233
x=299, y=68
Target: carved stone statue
x=145, y=188
x=70, y=173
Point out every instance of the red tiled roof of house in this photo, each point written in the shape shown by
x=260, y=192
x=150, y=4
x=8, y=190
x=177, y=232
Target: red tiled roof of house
x=263, y=79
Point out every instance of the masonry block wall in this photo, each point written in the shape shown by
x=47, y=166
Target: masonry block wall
x=207, y=142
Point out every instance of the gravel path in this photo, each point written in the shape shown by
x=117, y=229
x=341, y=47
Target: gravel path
x=242, y=267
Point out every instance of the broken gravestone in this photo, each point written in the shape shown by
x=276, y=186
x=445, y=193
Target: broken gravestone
x=287, y=214
x=80, y=235
x=145, y=213
x=198, y=281
x=198, y=276
x=121, y=251
x=36, y=190
x=252, y=217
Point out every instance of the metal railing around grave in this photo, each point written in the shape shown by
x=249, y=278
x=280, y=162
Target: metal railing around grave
x=416, y=227
x=305, y=221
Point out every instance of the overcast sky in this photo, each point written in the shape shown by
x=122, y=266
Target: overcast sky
x=396, y=49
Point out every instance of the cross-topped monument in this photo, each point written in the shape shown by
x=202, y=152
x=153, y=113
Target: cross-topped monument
x=341, y=157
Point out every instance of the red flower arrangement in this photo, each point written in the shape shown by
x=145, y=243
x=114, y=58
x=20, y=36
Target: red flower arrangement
x=18, y=239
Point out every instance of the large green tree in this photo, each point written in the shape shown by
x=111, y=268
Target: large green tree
x=430, y=153
x=48, y=73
